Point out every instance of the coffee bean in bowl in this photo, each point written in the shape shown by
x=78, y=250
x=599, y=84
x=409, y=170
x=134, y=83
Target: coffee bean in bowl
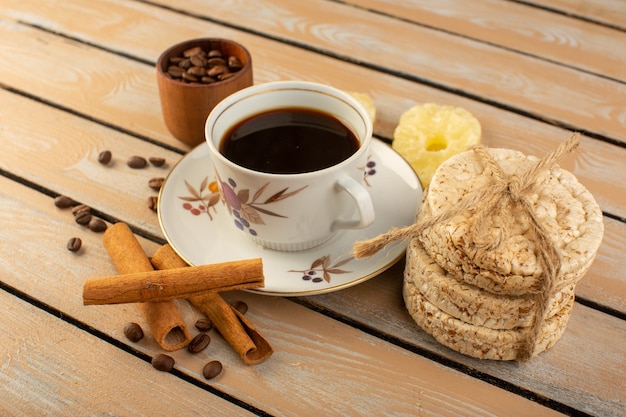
x=193, y=76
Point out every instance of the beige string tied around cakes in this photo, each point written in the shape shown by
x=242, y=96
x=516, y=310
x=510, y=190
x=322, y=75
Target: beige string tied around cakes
x=485, y=203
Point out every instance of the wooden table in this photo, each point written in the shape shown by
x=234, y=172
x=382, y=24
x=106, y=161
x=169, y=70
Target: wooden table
x=78, y=77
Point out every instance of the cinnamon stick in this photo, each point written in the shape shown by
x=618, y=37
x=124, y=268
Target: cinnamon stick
x=236, y=329
x=164, y=319
x=164, y=285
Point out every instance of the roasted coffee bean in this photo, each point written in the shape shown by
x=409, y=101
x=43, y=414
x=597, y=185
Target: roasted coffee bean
x=137, y=162
x=199, y=343
x=157, y=161
x=212, y=369
x=163, y=362
x=74, y=244
x=211, y=62
x=204, y=325
x=133, y=332
x=192, y=51
x=104, y=157
x=241, y=306
x=217, y=70
x=63, y=201
x=197, y=71
x=189, y=77
x=225, y=76
x=153, y=203
x=198, y=66
x=234, y=63
x=156, y=183
x=175, y=71
x=215, y=52
x=80, y=208
x=83, y=218
x=97, y=225
x=199, y=61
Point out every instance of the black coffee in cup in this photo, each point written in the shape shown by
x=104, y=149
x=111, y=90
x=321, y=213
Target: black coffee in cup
x=289, y=141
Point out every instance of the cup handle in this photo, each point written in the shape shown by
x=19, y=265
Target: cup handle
x=363, y=202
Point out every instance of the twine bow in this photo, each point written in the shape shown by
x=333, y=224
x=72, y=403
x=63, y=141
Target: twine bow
x=486, y=201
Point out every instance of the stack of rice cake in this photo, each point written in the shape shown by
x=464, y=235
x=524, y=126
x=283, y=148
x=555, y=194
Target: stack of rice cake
x=481, y=300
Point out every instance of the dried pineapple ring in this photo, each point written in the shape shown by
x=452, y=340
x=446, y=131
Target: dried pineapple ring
x=429, y=134
x=366, y=101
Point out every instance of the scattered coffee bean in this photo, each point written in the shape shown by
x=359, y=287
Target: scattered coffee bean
x=157, y=161
x=83, y=218
x=204, y=325
x=156, y=183
x=133, y=332
x=199, y=343
x=241, y=306
x=199, y=66
x=80, y=209
x=212, y=369
x=153, y=203
x=97, y=225
x=137, y=162
x=63, y=201
x=104, y=157
x=163, y=362
x=74, y=244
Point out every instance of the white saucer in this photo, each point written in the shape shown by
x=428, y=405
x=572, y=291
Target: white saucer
x=201, y=237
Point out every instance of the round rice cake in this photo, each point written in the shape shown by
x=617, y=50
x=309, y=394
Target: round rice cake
x=564, y=207
x=469, y=303
x=478, y=341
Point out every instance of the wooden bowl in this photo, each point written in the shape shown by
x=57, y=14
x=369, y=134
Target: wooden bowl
x=186, y=105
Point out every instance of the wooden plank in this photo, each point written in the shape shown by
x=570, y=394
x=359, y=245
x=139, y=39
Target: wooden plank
x=584, y=370
x=51, y=368
x=512, y=79
x=605, y=279
x=124, y=93
x=551, y=36
x=327, y=367
x=60, y=152
x=610, y=12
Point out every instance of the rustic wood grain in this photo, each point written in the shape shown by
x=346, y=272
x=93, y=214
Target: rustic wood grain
x=548, y=35
x=93, y=80
x=561, y=373
x=67, y=164
x=130, y=85
x=51, y=368
x=611, y=12
x=351, y=375
x=541, y=88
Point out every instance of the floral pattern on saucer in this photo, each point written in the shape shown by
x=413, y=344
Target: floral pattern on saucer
x=202, y=199
x=321, y=269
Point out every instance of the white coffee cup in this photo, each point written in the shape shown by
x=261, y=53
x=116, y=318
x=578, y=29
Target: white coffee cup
x=290, y=212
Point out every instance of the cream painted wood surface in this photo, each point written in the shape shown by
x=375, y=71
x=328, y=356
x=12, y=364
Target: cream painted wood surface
x=79, y=78
x=352, y=374
x=539, y=33
x=83, y=178
x=125, y=93
x=593, y=163
x=52, y=368
x=612, y=12
x=476, y=69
